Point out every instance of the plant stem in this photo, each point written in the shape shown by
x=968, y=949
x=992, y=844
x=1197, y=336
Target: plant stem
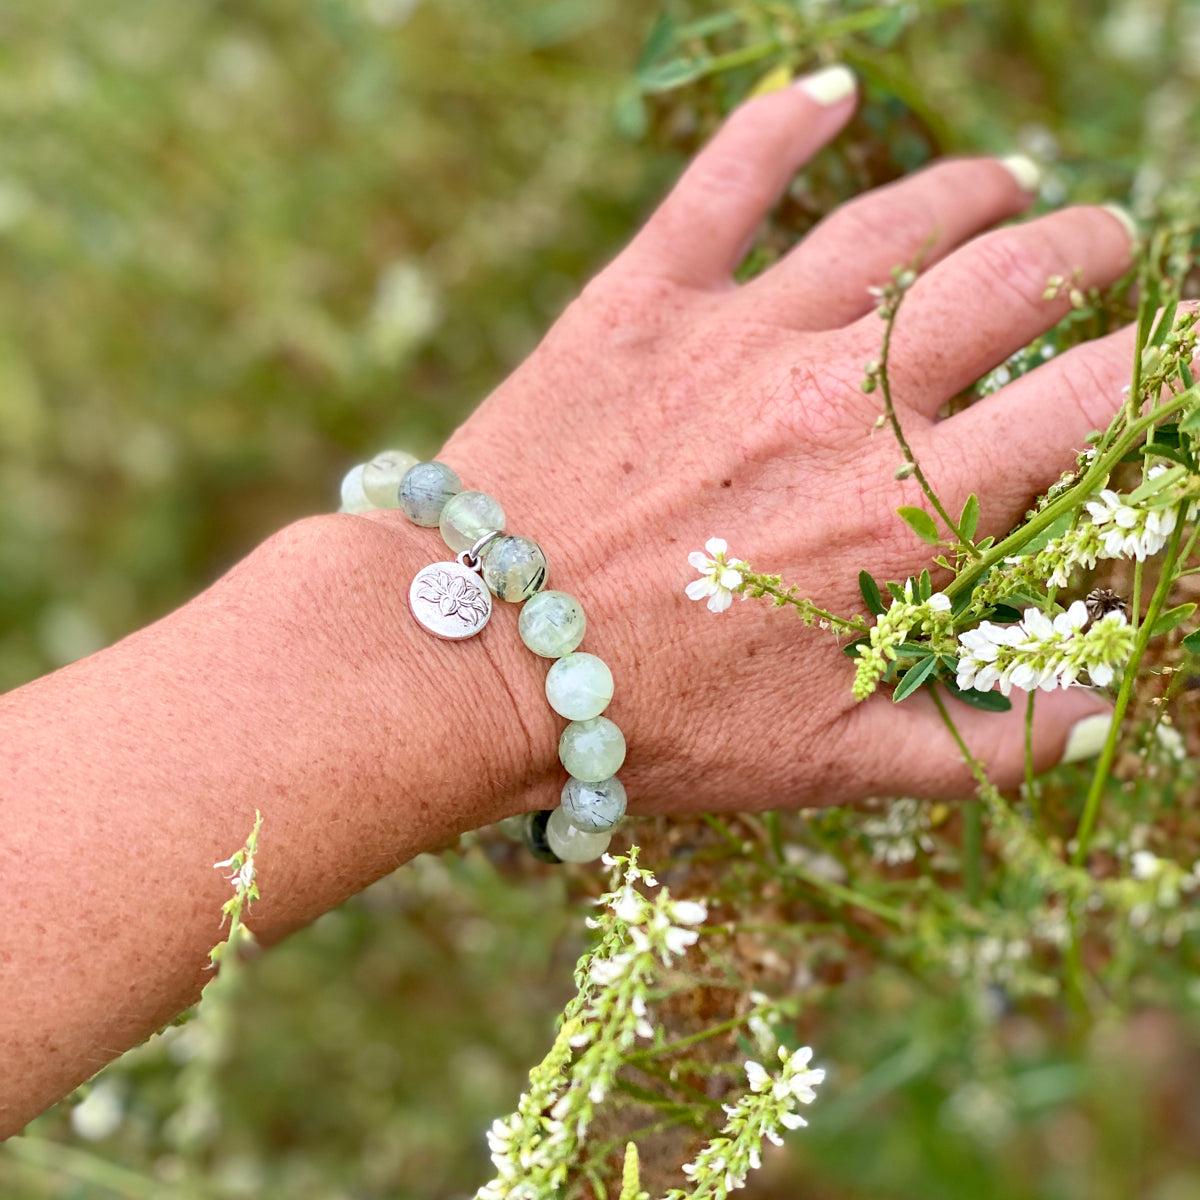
x=1091, y=805
x=1068, y=501
x=885, y=387
x=766, y=585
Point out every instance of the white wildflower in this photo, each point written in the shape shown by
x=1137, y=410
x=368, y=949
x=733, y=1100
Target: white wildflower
x=722, y=1166
x=532, y=1154
x=756, y=1075
x=1116, y=526
x=689, y=912
x=1145, y=864
x=629, y=906
x=1040, y=652
x=898, y=834
x=1127, y=531
x=1169, y=743
x=719, y=575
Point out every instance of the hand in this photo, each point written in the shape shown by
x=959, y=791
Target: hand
x=669, y=405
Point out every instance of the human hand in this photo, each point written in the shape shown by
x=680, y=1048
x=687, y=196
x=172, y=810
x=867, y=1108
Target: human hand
x=669, y=405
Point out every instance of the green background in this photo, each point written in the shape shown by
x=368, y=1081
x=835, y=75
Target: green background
x=243, y=246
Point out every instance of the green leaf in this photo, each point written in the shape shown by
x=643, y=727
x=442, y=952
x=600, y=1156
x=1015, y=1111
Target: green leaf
x=1166, y=318
x=914, y=649
x=704, y=27
x=914, y=678
x=920, y=522
x=1192, y=642
x=659, y=41
x=968, y=520
x=1172, y=617
x=897, y=591
x=1174, y=453
x=850, y=649
x=985, y=701
x=963, y=599
x=1152, y=486
x=1053, y=530
x=870, y=593
x=674, y=73
x=1191, y=422
x=924, y=586
x=1186, y=375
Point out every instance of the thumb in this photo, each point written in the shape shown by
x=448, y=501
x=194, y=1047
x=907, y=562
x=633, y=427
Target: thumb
x=914, y=753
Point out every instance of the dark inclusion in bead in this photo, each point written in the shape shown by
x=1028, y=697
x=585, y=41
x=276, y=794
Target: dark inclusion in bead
x=535, y=836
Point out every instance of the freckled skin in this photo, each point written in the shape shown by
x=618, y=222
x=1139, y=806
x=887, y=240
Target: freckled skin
x=666, y=407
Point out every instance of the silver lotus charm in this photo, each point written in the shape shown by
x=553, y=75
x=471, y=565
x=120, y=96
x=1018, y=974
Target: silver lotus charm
x=450, y=600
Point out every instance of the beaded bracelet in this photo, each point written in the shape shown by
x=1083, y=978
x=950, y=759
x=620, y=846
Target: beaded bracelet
x=453, y=600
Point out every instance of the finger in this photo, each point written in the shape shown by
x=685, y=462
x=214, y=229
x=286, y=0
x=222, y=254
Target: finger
x=700, y=232
x=823, y=282
x=1012, y=445
x=988, y=299
x=910, y=751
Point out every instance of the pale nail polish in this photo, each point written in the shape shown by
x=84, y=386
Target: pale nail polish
x=829, y=86
x=1087, y=737
x=1024, y=170
x=1125, y=217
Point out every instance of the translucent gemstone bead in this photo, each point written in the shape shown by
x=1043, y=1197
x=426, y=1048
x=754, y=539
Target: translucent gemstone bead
x=594, y=807
x=579, y=686
x=592, y=750
x=381, y=477
x=552, y=624
x=354, y=499
x=535, y=835
x=424, y=490
x=514, y=568
x=572, y=844
x=467, y=517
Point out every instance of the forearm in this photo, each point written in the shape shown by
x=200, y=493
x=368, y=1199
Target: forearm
x=297, y=685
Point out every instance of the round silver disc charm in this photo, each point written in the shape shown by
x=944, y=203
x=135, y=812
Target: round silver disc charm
x=450, y=600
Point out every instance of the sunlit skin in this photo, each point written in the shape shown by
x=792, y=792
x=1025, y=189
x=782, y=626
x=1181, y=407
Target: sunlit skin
x=668, y=405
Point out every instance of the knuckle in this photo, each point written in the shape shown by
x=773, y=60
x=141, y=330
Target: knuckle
x=1092, y=384
x=624, y=308
x=1012, y=261
x=880, y=220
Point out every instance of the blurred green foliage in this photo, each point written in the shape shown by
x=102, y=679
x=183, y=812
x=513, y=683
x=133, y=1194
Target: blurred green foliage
x=244, y=245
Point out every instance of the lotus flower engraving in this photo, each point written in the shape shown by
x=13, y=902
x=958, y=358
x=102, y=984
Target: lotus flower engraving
x=455, y=596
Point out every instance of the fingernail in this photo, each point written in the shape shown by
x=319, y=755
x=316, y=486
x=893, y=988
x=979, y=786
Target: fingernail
x=1087, y=737
x=1024, y=170
x=829, y=86
x=1126, y=218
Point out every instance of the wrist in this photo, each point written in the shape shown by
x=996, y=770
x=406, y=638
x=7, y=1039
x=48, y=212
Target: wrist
x=455, y=733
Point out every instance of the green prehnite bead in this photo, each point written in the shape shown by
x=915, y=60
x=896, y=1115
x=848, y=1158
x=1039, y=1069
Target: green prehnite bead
x=424, y=490
x=579, y=686
x=467, y=517
x=354, y=499
x=381, y=477
x=572, y=844
x=514, y=568
x=592, y=750
x=594, y=807
x=552, y=624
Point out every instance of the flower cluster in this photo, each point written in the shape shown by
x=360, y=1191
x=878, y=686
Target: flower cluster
x=1038, y=652
x=1118, y=525
x=897, y=835
x=535, y=1147
x=891, y=629
x=722, y=1166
